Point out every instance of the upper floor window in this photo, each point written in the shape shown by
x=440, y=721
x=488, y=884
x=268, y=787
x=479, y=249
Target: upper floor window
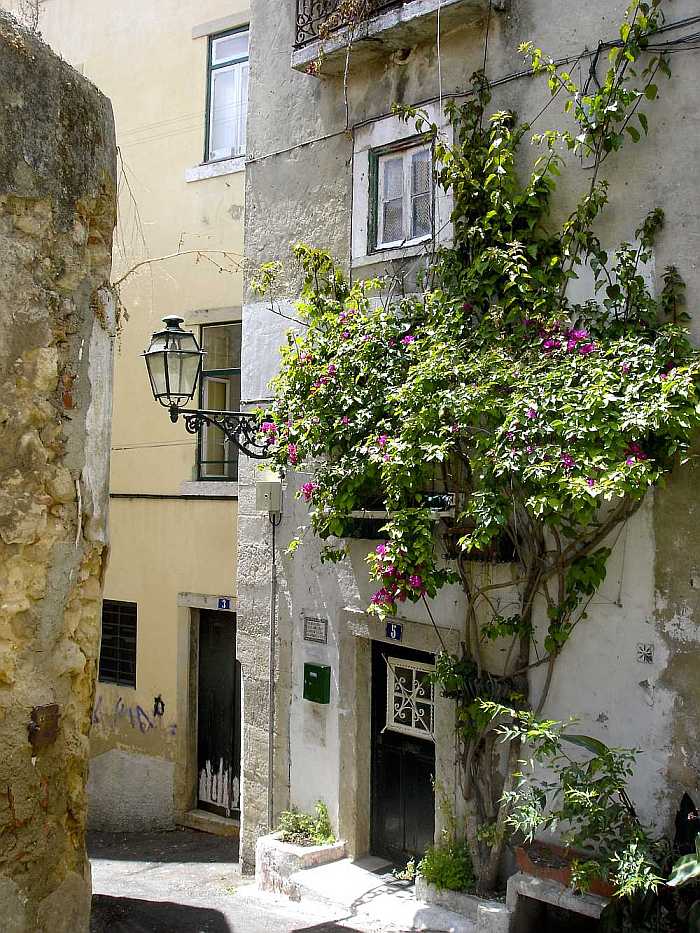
x=220, y=390
x=403, y=197
x=118, y=645
x=227, y=94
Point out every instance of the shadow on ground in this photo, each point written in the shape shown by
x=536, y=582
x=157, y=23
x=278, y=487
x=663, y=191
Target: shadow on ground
x=178, y=845
x=129, y=915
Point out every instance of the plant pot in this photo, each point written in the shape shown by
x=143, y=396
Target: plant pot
x=553, y=863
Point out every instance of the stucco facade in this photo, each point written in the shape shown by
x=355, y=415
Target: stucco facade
x=173, y=552
x=630, y=673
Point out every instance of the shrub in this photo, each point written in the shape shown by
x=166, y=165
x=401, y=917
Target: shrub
x=448, y=867
x=301, y=829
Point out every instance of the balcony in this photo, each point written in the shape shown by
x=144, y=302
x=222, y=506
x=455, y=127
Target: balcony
x=391, y=25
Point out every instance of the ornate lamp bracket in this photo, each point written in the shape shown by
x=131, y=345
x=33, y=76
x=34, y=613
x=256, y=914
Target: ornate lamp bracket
x=240, y=427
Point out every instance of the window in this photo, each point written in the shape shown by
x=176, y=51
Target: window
x=227, y=95
x=410, y=698
x=118, y=647
x=220, y=390
x=403, y=197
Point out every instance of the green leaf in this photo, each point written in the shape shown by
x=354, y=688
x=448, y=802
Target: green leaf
x=644, y=122
x=651, y=91
x=685, y=869
x=634, y=133
x=595, y=746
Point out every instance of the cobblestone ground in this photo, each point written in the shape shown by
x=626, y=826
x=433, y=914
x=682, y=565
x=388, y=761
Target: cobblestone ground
x=190, y=882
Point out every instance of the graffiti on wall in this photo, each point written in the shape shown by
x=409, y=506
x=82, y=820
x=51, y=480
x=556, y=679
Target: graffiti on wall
x=133, y=717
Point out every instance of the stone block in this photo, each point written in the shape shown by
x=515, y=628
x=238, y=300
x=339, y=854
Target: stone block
x=277, y=861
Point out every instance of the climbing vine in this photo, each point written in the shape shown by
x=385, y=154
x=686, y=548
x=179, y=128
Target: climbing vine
x=545, y=420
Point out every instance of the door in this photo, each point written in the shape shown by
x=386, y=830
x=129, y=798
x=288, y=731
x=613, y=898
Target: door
x=403, y=753
x=218, y=715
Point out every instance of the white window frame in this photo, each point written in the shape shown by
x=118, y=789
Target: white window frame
x=406, y=155
x=214, y=68
x=205, y=466
x=409, y=699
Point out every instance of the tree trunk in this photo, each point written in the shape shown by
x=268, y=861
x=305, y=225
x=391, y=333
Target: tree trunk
x=57, y=213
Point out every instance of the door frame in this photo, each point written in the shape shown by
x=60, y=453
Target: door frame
x=357, y=632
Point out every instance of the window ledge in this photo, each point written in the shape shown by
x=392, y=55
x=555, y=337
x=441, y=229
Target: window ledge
x=210, y=488
x=386, y=255
x=215, y=169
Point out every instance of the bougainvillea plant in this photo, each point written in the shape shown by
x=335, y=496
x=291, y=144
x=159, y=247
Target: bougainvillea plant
x=546, y=420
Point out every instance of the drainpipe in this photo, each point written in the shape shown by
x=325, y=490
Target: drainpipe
x=275, y=519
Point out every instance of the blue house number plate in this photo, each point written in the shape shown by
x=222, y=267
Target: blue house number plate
x=224, y=603
x=394, y=631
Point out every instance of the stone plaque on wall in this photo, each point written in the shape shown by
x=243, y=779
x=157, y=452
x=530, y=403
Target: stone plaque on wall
x=316, y=630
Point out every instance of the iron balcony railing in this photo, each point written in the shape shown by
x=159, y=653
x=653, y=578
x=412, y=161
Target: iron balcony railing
x=312, y=14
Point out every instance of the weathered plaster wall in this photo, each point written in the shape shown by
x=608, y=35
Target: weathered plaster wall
x=299, y=183
x=57, y=213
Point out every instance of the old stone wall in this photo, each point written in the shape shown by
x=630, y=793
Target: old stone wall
x=57, y=213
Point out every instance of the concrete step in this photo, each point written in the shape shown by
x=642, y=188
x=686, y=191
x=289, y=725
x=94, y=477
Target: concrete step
x=389, y=903
x=212, y=823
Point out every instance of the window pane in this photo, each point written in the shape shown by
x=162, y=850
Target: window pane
x=228, y=105
x=228, y=47
x=421, y=224
x=392, y=228
x=222, y=343
x=420, y=172
x=393, y=178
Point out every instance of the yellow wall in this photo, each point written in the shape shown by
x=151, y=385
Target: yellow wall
x=141, y=54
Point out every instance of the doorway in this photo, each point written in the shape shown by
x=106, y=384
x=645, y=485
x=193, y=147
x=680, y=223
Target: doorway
x=218, y=715
x=402, y=819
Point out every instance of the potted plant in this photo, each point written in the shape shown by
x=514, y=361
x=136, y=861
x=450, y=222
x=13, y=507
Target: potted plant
x=576, y=786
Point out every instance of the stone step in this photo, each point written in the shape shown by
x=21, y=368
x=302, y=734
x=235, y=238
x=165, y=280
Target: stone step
x=207, y=822
x=361, y=891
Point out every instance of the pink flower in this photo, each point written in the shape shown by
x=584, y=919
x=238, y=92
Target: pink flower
x=392, y=342
x=467, y=306
x=345, y=335
x=531, y=413
x=382, y=440
x=381, y=549
x=568, y=461
x=308, y=490
x=455, y=429
x=345, y=420
x=625, y=368
x=292, y=453
x=387, y=457
x=415, y=581
x=332, y=369
x=342, y=316
x=590, y=481
x=634, y=454
x=383, y=597
x=586, y=348
x=389, y=571
x=551, y=344
x=366, y=337
x=407, y=340
x=268, y=427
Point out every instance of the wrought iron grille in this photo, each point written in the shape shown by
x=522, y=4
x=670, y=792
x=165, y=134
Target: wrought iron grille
x=312, y=14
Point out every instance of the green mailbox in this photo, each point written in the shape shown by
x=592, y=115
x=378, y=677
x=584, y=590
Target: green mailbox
x=317, y=683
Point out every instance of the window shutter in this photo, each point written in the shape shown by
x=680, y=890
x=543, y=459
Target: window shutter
x=392, y=201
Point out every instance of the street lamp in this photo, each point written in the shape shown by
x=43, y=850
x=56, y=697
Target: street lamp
x=174, y=363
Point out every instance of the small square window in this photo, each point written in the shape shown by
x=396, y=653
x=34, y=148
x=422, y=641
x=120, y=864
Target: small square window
x=220, y=390
x=118, y=645
x=403, y=200
x=227, y=96
x=410, y=698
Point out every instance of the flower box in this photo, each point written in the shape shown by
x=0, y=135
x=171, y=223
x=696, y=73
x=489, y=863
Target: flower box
x=553, y=863
x=277, y=861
